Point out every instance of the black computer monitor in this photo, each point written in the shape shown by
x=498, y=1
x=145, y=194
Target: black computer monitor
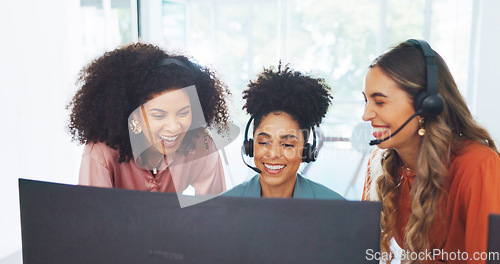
x=80, y=224
x=494, y=239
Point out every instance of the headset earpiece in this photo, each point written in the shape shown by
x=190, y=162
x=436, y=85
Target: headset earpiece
x=430, y=104
x=428, y=101
x=248, y=143
x=248, y=147
x=310, y=152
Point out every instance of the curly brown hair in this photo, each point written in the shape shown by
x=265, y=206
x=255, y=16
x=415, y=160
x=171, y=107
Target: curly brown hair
x=303, y=97
x=118, y=82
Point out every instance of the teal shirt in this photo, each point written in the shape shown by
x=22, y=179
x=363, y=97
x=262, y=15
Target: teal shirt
x=304, y=188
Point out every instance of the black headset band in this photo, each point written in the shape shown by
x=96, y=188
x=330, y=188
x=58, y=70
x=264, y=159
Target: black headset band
x=247, y=127
x=314, y=137
x=432, y=71
x=169, y=61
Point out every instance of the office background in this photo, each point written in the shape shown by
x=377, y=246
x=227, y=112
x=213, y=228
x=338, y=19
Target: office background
x=46, y=43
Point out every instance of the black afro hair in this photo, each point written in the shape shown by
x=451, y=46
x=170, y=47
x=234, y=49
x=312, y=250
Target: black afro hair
x=303, y=97
x=118, y=82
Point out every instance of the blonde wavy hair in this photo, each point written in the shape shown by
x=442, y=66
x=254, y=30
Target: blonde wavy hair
x=446, y=134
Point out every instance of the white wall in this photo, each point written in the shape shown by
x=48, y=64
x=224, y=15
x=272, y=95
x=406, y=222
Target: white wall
x=486, y=98
x=37, y=77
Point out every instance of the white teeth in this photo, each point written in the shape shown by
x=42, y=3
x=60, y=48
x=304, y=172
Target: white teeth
x=169, y=138
x=274, y=167
x=380, y=129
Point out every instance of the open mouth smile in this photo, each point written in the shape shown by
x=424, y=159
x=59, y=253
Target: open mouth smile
x=169, y=141
x=274, y=168
x=378, y=132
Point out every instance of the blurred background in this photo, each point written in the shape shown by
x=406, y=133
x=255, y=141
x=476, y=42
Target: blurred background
x=46, y=43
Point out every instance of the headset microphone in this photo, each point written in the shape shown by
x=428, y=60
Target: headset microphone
x=378, y=141
x=248, y=165
x=427, y=103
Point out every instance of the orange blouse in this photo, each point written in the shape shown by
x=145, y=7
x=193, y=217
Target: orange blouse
x=462, y=221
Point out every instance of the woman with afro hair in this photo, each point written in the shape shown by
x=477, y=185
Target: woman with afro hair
x=142, y=114
x=284, y=105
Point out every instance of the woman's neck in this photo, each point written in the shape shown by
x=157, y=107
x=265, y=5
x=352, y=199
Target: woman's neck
x=408, y=158
x=284, y=190
x=151, y=157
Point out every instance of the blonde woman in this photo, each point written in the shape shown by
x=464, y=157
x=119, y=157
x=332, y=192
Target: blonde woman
x=438, y=177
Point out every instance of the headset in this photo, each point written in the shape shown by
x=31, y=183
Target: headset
x=309, y=154
x=427, y=103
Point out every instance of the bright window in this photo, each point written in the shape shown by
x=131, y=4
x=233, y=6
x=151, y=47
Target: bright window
x=335, y=40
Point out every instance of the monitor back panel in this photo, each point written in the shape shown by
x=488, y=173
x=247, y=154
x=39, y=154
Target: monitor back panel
x=494, y=239
x=80, y=224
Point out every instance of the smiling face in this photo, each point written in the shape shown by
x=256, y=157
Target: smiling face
x=387, y=107
x=278, y=147
x=168, y=117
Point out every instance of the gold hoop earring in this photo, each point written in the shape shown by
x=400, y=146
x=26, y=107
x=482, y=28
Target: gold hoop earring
x=421, y=131
x=135, y=127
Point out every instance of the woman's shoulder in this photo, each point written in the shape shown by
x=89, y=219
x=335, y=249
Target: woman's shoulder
x=101, y=151
x=474, y=152
x=319, y=191
x=475, y=160
x=249, y=188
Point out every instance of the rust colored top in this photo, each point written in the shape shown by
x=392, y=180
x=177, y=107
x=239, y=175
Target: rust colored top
x=473, y=192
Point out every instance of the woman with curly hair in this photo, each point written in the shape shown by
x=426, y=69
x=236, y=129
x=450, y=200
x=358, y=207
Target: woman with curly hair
x=284, y=105
x=438, y=177
x=142, y=114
